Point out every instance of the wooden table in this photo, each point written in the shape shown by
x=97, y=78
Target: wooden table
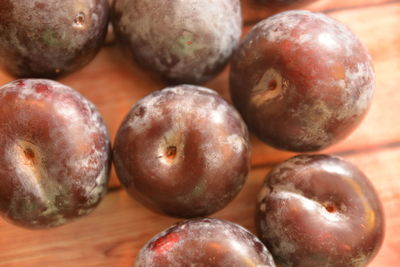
x=119, y=227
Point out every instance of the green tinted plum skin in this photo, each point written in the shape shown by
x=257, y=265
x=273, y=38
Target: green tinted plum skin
x=319, y=210
x=204, y=242
x=49, y=39
x=182, y=41
x=55, y=154
x=182, y=151
x=302, y=81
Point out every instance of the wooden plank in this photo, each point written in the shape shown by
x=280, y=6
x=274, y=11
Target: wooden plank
x=253, y=12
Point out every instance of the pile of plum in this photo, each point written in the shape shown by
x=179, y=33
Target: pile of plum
x=299, y=81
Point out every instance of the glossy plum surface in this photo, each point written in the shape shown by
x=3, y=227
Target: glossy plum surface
x=302, y=81
x=47, y=39
x=54, y=154
x=183, y=41
x=203, y=243
x=183, y=151
x=319, y=210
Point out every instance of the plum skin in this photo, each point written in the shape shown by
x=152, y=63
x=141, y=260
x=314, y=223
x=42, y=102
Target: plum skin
x=182, y=41
x=182, y=151
x=302, y=81
x=49, y=39
x=55, y=154
x=319, y=210
x=204, y=242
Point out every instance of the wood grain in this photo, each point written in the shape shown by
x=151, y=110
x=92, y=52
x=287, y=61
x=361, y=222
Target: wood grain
x=113, y=233
x=253, y=12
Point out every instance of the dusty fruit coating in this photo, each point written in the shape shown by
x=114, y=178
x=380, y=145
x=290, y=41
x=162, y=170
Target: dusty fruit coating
x=47, y=39
x=319, y=210
x=184, y=41
x=302, y=81
x=183, y=151
x=54, y=154
x=203, y=243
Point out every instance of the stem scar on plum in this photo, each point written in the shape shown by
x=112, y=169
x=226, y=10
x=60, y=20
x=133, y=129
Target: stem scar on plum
x=79, y=20
x=29, y=154
x=170, y=152
x=269, y=86
x=330, y=207
x=272, y=85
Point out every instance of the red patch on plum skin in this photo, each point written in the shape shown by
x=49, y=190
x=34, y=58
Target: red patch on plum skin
x=165, y=243
x=40, y=5
x=8, y=7
x=41, y=88
x=20, y=83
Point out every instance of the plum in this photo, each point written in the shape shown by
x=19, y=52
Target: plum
x=302, y=81
x=319, y=210
x=204, y=242
x=183, y=151
x=54, y=154
x=183, y=41
x=48, y=39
